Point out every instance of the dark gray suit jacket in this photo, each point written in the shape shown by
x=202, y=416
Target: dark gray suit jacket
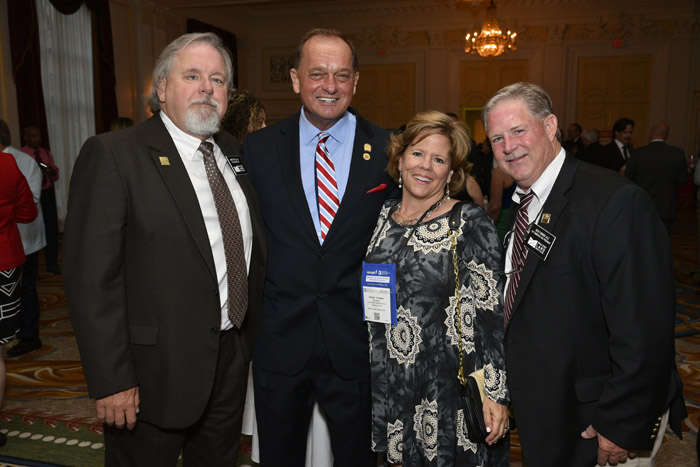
x=140, y=277
x=658, y=168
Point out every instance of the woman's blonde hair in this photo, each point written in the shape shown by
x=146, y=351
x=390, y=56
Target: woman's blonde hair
x=432, y=122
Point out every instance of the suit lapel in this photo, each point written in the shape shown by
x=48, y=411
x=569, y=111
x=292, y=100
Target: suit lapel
x=289, y=162
x=360, y=176
x=178, y=182
x=554, y=206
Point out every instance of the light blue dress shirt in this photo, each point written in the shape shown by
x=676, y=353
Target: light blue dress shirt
x=339, y=145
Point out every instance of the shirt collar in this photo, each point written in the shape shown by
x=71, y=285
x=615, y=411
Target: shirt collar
x=619, y=144
x=187, y=145
x=544, y=184
x=339, y=131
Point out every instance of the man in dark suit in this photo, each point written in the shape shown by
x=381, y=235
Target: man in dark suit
x=164, y=266
x=313, y=341
x=573, y=135
x=615, y=154
x=591, y=147
x=589, y=329
x=658, y=168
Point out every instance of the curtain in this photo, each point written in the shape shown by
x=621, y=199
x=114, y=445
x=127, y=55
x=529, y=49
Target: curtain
x=24, y=48
x=67, y=82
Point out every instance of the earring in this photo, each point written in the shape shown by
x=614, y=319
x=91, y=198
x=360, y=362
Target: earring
x=400, y=181
x=447, y=191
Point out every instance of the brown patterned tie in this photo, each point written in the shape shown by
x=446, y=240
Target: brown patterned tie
x=518, y=254
x=236, y=269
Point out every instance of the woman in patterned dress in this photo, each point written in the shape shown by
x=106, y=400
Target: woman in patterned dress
x=416, y=415
x=16, y=205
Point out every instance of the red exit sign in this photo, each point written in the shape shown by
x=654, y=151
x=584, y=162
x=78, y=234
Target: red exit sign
x=618, y=43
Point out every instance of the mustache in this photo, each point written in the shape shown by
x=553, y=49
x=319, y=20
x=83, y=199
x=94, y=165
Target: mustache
x=205, y=100
x=512, y=156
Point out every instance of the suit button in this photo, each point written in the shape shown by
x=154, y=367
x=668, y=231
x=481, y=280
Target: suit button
x=214, y=331
x=216, y=292
x=321, y=295
x=321, y=256
x=652, y=437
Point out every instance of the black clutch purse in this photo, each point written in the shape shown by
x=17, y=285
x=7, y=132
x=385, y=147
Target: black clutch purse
x=471, y=388
x=471, y=396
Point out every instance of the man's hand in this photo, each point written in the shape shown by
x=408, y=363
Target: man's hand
x=120, y=409
x=496, y=420
x=608, y=452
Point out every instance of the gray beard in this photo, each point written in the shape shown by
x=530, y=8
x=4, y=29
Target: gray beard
x=203, y=122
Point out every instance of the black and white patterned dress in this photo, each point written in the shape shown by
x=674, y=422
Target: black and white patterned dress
x=415, y=415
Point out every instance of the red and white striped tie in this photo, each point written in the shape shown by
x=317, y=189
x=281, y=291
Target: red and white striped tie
x=518, y=254
x=328, y=200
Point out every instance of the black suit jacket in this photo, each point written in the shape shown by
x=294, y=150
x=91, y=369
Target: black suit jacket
x=611, y=157
x=591, y=337
x=140, y=277
x=658, y=168
x=309, y=284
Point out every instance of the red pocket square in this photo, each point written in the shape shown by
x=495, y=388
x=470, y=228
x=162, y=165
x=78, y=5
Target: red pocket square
x=378, y=188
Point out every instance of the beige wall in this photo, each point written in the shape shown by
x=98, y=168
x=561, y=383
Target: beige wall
x=553, y=36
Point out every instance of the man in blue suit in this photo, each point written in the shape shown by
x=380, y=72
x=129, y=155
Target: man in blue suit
x=313, y=341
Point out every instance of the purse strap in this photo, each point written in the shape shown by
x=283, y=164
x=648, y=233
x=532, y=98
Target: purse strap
x=455, y=220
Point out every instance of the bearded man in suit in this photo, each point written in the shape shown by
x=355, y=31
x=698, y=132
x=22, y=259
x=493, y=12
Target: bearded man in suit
x=164, y=264
x=589, y=351
x=313, y=341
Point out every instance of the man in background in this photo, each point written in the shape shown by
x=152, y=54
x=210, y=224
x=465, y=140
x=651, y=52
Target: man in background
x=33, y=240
x=313, y=341
x=49, y=170
x=658, y=168
x=615, y=154
x=573, y=135
x=164, y=265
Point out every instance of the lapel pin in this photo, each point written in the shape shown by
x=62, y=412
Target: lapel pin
x=366, y=156
x=164, y=160
x=368, y=147
x=546, y=217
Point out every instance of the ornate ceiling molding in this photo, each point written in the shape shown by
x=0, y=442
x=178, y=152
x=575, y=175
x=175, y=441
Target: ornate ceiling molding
x=618, y=26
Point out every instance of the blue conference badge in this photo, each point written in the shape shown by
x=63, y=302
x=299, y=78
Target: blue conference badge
x=379, y=292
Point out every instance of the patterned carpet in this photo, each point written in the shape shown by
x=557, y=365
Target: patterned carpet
x=49, y=419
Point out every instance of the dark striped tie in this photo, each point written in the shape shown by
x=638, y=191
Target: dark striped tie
x=328, y=200
x=518, y=254
x=236, y=270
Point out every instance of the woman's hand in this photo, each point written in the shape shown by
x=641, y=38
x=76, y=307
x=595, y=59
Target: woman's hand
x=496, y=420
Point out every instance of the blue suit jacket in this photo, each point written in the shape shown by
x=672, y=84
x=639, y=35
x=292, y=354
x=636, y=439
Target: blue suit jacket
x=309, y=284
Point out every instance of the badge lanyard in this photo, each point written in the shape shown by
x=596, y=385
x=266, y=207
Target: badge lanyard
x=379, y=280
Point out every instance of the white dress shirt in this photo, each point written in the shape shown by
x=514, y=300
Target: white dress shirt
x=33, y=234
x=193, y=159
x=542, y=188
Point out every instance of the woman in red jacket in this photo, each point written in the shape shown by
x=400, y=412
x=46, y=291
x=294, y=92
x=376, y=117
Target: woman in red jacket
x=16, y=205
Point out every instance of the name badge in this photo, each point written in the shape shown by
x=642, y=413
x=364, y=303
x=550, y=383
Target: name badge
x=237, y=165
x=539, y=241
x=379, y=292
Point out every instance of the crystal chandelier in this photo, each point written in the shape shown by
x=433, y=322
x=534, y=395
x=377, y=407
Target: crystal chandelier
x=491, y=41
